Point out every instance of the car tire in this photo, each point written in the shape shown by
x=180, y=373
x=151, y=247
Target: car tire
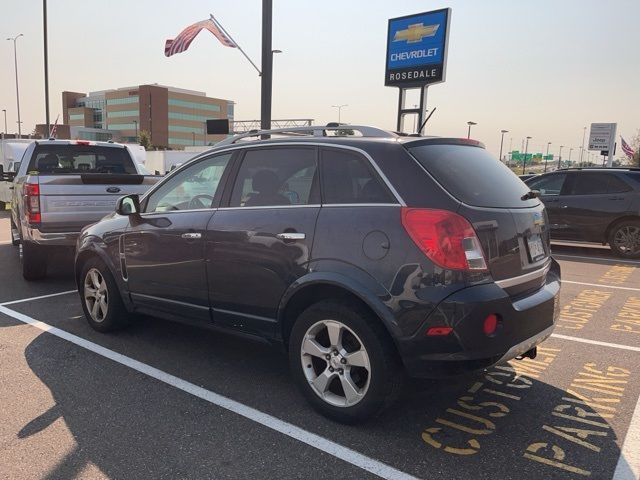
x=34, y=261
x=100, y=297
x=373, y=376
x=624, y=239
x=15, y=238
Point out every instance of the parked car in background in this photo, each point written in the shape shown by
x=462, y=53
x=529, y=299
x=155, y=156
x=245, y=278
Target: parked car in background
x=367, y=257
x=6, y=178
x=598, y=205
x=62, y=186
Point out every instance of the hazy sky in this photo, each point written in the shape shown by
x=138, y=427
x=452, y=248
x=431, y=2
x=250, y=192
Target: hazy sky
x=541, y=68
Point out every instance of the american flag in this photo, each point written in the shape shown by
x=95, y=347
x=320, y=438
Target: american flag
x=627, y=149
x=184, y=39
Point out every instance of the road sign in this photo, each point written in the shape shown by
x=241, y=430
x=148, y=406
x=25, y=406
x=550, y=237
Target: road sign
x=602, y=136
x=417, y=49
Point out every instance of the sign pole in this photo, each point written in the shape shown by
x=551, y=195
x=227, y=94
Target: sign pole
x=612, y=148
x=267, y=65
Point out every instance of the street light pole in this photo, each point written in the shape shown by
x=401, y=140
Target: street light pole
x=15, y=61
x=46, y=65
x=584, y=131
x=560, y=157
x=502, y=142
x=4, y=110
x=524, y=159
x=135, y=123
x=570, y=150
x=267, y=65
x=339, y=107
x=469, y=130
x=547, y=156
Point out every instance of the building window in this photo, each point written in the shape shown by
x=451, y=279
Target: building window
x=180, y=128
x=188, y=116
x=121, y=126
x=195, y=105
x=122, y=101
x=76, y=116
x=123, y=113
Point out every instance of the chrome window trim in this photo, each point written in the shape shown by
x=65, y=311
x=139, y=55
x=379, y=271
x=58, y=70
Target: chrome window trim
x=262, y=207
x=527, y=277
x=328, y=205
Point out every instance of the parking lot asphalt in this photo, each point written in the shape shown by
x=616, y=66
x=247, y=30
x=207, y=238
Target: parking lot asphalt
x=163, y=400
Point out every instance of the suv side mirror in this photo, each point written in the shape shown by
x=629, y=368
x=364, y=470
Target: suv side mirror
x=128, y=205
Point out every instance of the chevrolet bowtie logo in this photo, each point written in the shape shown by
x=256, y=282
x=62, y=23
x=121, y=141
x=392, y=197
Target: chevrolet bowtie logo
x=415, y=33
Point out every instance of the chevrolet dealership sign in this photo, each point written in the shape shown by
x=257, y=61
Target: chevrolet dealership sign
x=417, y=49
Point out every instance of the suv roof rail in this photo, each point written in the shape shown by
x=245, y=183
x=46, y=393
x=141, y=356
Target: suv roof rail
x=633, y=169
x=311, y=130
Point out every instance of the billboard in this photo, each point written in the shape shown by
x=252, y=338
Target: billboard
x=218, y=127
x=602, y=136
x=417, y=49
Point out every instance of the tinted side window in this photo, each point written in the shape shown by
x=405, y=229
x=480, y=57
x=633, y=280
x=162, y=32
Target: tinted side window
x=588, y=184
x=616, y=185
x=276, y=177
x=193, y=188
x=548, y=184
x=348, y=177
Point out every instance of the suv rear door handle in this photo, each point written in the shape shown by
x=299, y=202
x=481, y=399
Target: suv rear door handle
x=191, y=236
x=291, y=236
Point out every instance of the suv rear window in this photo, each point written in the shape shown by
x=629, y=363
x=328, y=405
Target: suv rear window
x=79, y=159
x=473, y=176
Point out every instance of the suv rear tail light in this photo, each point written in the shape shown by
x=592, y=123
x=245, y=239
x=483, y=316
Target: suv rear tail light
x=447, y=238
x=32, y=202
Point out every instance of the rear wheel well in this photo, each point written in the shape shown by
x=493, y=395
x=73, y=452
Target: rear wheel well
x=316, y=293
x=629, y=218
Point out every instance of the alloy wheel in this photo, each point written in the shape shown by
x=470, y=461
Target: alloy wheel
x=96, y=295
x=335, y=363
x=627, y=239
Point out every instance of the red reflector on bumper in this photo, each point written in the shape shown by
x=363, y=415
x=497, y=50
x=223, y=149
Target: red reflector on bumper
x=490, y=324
x=439, y=331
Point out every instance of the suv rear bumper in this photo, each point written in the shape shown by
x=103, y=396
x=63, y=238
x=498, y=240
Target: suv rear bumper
x=66, y=239
x=525, y=321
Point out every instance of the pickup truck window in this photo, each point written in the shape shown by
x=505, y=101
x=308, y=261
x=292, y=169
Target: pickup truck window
x=79, y=159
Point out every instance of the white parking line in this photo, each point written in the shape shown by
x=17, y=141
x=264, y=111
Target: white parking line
x=628, y=467
x=325, y=445
x=23, y=300
x=601, y=285
x=595, y=342
x=562, y=256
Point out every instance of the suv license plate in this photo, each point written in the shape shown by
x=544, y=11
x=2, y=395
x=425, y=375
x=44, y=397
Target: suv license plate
x=536, y=249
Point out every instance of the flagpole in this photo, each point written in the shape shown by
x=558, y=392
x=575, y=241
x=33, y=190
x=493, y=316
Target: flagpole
x=219, y=25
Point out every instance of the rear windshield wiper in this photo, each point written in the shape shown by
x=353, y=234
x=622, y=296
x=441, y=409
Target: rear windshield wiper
x=530, y=194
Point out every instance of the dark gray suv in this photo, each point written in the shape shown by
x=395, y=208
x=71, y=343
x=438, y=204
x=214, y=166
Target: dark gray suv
x=368, y=257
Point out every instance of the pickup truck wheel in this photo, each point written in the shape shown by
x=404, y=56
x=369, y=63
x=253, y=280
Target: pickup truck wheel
x=34, y=261
x=624, y=239
x=344, y=361
x=101, y=299
x=15, y=236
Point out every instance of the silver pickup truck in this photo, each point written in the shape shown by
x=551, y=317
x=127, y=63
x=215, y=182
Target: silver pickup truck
x=62, y=186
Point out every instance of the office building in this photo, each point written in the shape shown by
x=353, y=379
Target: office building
x=174, y=117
